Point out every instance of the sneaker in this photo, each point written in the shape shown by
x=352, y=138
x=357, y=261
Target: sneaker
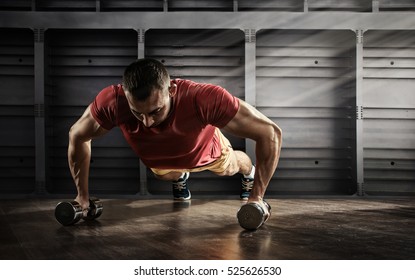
x=247, y=185
x=180, y=190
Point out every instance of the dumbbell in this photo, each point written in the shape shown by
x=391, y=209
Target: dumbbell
x=251, y=216
x=70, y=212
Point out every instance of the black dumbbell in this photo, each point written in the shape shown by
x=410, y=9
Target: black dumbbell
x=251, y=216
x=70, y=212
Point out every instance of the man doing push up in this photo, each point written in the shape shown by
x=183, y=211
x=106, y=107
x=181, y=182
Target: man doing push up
x=174, y=127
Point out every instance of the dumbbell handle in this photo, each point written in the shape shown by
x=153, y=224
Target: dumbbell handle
x=94, y=209
x=269, y=211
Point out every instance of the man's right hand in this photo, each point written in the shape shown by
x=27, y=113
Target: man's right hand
x=84, y=202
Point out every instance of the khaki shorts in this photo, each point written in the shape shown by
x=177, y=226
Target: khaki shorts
x=218, y=166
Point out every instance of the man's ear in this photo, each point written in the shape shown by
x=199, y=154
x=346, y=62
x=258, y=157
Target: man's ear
x=172, y=89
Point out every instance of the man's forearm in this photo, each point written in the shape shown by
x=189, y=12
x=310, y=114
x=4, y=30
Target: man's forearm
x=79, y=156
x=267, y=156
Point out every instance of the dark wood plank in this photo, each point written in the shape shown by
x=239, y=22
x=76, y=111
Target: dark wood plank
x=158, y=228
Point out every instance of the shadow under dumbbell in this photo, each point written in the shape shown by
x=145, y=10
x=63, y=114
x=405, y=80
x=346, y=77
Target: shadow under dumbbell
x=82, y=225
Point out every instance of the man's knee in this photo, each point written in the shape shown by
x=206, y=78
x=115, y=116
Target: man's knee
x=171, y=176
x=231, y=170
x=233, y=166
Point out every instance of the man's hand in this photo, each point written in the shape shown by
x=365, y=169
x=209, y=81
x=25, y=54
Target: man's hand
x=258, y=200
x=83, y=201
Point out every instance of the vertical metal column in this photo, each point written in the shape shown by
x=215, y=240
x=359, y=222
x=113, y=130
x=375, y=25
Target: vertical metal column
x=359, y=112
x=250, y=79
x=143, y=168
x=375, y=6
x=305, y=6
x=165, y=6
x=235, y=5
x=39, y=112
x=98, y=5
x=140, y=41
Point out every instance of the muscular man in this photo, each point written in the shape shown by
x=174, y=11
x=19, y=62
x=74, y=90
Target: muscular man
x=174, y=128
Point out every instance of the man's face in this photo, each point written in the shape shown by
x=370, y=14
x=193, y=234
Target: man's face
x=155, y=109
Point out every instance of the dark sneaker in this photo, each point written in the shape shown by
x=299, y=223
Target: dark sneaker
x=180, y=190
x=247, y=185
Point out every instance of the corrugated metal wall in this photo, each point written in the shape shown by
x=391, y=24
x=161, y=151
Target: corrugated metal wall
x=389, y=111
x=17, y=130
x=306, y=84
x=79, y=64
x=342, y=95
x=208, y=5
x=209, y=56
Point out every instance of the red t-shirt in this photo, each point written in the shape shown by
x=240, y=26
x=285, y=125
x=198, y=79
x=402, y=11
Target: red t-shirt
x=186, y=139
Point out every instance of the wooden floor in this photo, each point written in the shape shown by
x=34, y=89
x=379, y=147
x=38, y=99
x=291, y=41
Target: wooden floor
x=206, y=228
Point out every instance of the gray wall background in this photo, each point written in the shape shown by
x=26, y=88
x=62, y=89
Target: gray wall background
x=337, y=76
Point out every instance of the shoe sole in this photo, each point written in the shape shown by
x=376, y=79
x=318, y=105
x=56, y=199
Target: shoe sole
x=183, y=198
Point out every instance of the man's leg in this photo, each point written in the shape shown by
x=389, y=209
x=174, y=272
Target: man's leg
x=244, y=163
x=239, y=162
x=171, y=176
x=236, y=162
x=247, y=169
x=232, y=162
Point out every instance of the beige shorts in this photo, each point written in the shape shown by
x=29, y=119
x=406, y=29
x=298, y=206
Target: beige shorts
x=218, y=166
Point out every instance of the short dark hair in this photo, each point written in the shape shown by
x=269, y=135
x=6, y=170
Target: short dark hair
x=143, y=76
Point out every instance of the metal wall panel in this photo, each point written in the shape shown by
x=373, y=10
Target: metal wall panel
x=200, y=5
x=271, y=5
x=17, y=130
x=305, y=83
x=389, y=112
x=340, y=5
x=80, y=64
x=132, y=5
x=209, y=56
x=208, y=5
x=15, y=5
x=316, y=77
x=65, y=5
x=396, y=5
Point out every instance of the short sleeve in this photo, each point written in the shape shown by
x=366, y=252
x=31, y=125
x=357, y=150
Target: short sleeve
x=215, y=105
x=104, y=108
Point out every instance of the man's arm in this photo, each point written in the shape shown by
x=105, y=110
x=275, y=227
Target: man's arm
x=79, y=153
x=250, y=123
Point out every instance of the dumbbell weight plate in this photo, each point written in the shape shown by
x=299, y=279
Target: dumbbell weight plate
x=251, y=216
x=68, y=213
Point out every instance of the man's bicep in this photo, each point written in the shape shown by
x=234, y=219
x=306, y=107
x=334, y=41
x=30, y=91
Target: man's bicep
x=248, y=122
x=86, y=128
